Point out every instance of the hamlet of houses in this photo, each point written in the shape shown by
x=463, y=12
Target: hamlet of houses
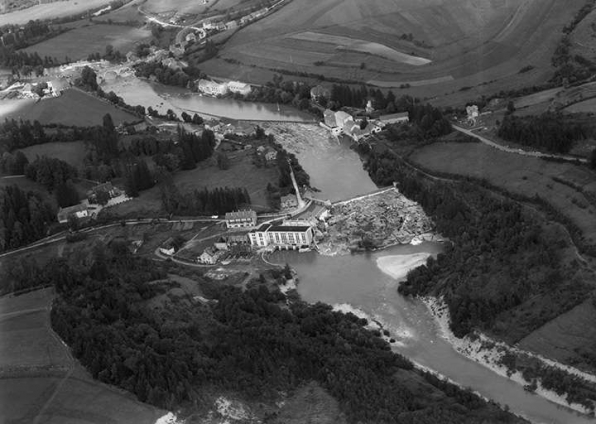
x=99, y=197
x=341, y=122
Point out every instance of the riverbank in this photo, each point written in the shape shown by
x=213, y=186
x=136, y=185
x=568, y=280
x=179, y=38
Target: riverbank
x=492, y=354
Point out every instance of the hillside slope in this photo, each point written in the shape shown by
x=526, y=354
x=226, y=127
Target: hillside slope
x=467, y=42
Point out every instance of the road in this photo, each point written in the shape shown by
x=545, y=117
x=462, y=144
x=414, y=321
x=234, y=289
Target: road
x=59, y=237
x=516, y=151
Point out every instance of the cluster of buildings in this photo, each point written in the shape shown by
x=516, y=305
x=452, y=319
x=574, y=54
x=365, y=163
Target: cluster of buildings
x=92, y=205
x=341, y=122
x=213, y=88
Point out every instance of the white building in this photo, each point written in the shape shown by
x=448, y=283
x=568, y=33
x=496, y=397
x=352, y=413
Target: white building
x=341, y=118
x=395, y=118
x=239, y=87
x=241, y=219
x=284, y=236
x=212, y=88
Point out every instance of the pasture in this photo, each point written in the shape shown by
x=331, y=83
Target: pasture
x=73, y=107
x=79, y=42
x=70, y=152
x=35, y=378
x=519, y=174
x=57, y=9
x=468, y=43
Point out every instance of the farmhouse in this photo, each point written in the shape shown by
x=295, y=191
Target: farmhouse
x=101, y=190
x=240, y=219
x=232, y=25
x=168, y=247
x=329, y=118
x=239, y=87
x=395, y=118
x=341, y=118
x=77, y=211
x=282, y=236
x=210, y=256
x=212, y=88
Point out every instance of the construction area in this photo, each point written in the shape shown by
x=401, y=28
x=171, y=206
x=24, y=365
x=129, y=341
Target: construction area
x=374, y=222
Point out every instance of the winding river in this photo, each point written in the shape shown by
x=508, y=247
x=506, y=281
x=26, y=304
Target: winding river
x=365, y=282
x=368, y=282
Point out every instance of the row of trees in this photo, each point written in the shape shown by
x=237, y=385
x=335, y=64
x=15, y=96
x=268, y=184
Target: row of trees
x=246, y=342
x=13, y=163
x=165, y=74
x=215, y=201
x=550, y=131
x=50, y=172
x=24, y=217
x=20, y=134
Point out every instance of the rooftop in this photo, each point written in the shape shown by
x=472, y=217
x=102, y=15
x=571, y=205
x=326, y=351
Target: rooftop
x=287, y=228
x=247, y=214
x=394, y=116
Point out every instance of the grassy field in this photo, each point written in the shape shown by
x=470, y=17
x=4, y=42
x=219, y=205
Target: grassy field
x=520, y=174
x=80, y=42
x=469, y=43
x=70, y=152
x=35, y=382
x=560, y=338
x=242, y=173
x=73, y=107
x=50, y=10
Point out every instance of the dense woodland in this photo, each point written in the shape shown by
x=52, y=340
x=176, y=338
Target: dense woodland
x=50, y=172
x=165, y=74
x=549, y=131
x=204, y=201
x=248, y=342
x=24, y=217
x=505, y=272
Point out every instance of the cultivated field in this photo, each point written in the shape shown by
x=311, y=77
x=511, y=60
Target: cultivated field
x=40, y=380
x=80, y=42
x=70, y=152
x=468, y=42
x=520, y=174
x=57, y=9
x=73, y=107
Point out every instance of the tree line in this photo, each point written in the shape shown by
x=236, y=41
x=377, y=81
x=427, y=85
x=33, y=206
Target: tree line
x=549, y=131
x=24, y=217
x=204, y=201
x=248, y=342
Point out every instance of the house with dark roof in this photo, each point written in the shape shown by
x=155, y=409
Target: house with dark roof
x=77, y=211
x=240, y=219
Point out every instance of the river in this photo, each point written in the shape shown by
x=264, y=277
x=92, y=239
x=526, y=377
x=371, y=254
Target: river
x=368, y=282
x=160, y=97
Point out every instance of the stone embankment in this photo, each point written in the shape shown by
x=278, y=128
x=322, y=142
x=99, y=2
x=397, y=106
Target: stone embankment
x=385, y=219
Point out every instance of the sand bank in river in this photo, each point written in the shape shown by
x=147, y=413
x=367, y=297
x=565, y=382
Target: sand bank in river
x=397, y=266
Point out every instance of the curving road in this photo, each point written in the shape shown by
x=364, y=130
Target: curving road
x=516, y=151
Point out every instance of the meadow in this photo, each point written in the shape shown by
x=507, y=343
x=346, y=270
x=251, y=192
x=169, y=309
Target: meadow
x=563, y=185
x=58, y=9
x=79, y=42
x=72, y=153
x=73, y=107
